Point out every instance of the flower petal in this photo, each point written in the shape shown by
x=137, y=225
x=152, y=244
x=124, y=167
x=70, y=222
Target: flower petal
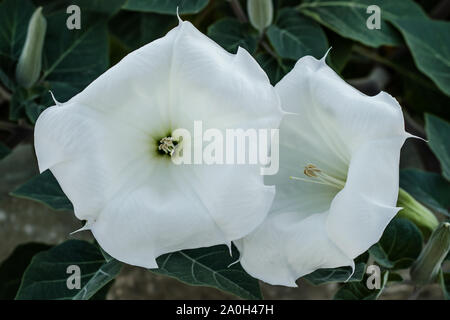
x=344, y=115
x=79, y=146
x=299, y=146
x=189, y=209
x=100, y=147
x=288, y=246
x=362, y=210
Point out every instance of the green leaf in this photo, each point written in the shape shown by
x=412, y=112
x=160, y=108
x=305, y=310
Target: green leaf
x=33, y=110
x=166, y=6
x=348, y=19
x=427, y=187
x=429, y=45
x=444, y=280
x=135, y=29
x=359, y=290
x=294, y=36
x=12, y=269
x=438, y=134
x=46, y=277
x=74, y=58
x=45, y=189
x=399, y=246
x=276, y=68
x=341, y=274
x=426, y=38
x=4, y=150
x=14, y=17
x=108, y=7
x=210, y=267
x=20, y=99
x=231, y=34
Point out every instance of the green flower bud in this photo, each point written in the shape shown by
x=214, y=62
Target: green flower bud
x=30, y=62
x=260, y=13
x=427, y=266
x=416, y=213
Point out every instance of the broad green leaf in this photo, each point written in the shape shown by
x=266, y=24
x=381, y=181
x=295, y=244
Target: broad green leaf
x=45, y=189
x=33, y=110
x=20, y=99
x=166, y=6
x=444, y=280
x=46, y=277
x=74, y=58
x=108, y=7
x=359, y=290
x=108, y=271
x=210, y=267
x=427, y=187
x=399, y=246
x=135, y=29
x=276, y=68
x=294, y=36
x=348, y=19
x=12, y=269
x=426, y=38
x=231, y=34
x=428, y=41
x=4, y=150
x=342, y=274
x=14, y=17
x=438, y=134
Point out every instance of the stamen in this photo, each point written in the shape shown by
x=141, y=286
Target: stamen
x=320, y=177
x=167, y=145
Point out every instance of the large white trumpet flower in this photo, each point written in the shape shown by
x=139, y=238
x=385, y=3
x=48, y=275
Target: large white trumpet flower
x=110, y=148
x=338, y=181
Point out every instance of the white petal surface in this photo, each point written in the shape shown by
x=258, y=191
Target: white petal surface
x=100, y=145
x=348, y=136
x=287, y=246
x=363, y=209
x=185, y=211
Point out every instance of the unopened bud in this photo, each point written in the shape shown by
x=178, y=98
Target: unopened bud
x=416, y=213
x=260, y=13
x=30, y=62
x=427, y=266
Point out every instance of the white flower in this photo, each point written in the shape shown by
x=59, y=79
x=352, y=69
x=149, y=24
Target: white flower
x=343, y=147
x=110, y=147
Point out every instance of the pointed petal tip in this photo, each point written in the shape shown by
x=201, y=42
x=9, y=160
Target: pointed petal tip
x=86, y=227
x=178, y=16
x=409, y=135
x=54, y=99
x=237, y=261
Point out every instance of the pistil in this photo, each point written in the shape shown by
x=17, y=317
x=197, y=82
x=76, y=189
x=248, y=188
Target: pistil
x=315, y=175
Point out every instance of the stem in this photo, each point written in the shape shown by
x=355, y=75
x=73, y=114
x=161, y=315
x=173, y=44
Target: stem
x=269, y=50
x=374, y=56
x=5, y=95
x=238, y=11
x=441, y=10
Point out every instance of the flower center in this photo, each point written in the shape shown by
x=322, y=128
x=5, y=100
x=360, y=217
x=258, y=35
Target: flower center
x=167, y=145
x=315, y=175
